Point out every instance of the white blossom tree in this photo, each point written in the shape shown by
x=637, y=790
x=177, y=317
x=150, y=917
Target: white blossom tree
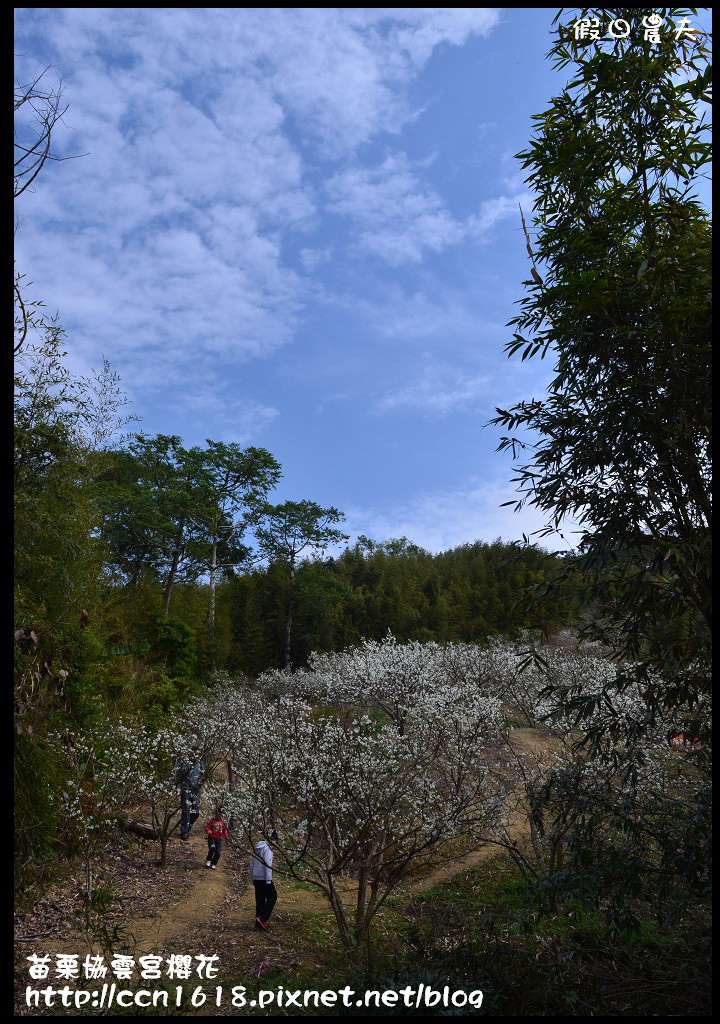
x=374, y=764
x=394, y=678
x=128, y=775
x=617, y=826
x=361, y=803
x=107, y=774
x=165, y=755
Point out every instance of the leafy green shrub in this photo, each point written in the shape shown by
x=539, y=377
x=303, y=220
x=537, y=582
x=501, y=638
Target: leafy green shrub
x=37, y=811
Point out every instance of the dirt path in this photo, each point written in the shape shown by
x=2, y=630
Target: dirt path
x=523, y=740
x=220, y=903
x=220, y=907
x=215, y=915
x=187, y=912
x=194, y=910
x=470, y=860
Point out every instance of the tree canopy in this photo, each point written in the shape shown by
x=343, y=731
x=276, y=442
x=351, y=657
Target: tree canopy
x=620, y=297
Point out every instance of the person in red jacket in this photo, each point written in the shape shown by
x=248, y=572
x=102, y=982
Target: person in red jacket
x=216, y=831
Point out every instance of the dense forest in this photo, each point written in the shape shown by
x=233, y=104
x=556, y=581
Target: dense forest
x=468, y=593
x=144, y=624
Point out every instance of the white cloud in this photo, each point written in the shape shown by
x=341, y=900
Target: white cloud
x=399, y=217
x=492, y=211
x=436, y=393
x=428, y=26
x=311, y=259
x=225, y=416
x=437, y=311
x=346, y=80
x=206, y=132
x=444, y=519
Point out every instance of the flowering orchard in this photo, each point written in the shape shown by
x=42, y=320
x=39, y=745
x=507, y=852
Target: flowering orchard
x=360, y=800
x=404, y=681
x=111, y=774
x=376, y=764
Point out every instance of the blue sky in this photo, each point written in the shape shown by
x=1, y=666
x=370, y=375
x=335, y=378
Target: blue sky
x=298, y=229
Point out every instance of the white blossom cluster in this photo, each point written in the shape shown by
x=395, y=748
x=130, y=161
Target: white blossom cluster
x=419, y=678
x=575, y=686
x=403, y=680
x=368, y=764
x=112, y=771
x=357, y=799
x=562, y=670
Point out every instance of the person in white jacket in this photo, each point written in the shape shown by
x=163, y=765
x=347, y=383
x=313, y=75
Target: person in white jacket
x=261, y=876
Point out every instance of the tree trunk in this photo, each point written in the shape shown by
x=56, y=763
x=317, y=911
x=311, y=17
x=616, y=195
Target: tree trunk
x=346, y=933
x=535, y=840
x=138, y=828
x=170, y=581
x=231, y=787
x=211, y=610
x=164, y=836
x=362, y=890
x=88, y=888
x=289, y=616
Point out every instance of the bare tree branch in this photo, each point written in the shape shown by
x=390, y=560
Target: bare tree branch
x=531, y=254
x=32, y=153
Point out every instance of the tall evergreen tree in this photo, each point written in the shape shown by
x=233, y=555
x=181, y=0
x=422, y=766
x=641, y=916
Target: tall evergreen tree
x=287, y=531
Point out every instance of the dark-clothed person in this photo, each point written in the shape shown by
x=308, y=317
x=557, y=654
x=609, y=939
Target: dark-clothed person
x=261, y=876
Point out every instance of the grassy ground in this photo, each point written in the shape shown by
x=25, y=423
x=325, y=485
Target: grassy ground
x=481, y=929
